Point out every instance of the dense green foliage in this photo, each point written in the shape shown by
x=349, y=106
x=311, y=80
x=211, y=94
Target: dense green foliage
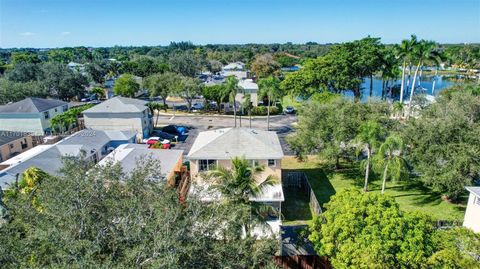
x=108, y=219
x=126, y=86
x=368, y=230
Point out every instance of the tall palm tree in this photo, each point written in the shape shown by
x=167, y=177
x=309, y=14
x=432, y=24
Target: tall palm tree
x=424, y=51
x=241, y=182
x=155, y=106
x=270, y=87
x=404, y=52
x=233, y=89
x=389, y=159
x=369, y=135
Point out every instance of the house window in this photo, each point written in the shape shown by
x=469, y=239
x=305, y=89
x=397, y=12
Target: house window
x=205, y=165
x=271, y=162
x=11, y=146
x=65, y=108
x=55, y=110
x=46, y=115
x=255, y=163
x=477, y=200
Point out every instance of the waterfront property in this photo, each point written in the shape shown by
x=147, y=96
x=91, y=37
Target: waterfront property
x=127, y=155
x=13, y=143
x=472, y=214
x=30, y=115
x=92, y=145
x=217, y=148
x=120, y=114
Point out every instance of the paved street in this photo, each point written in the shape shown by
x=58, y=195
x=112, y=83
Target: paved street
x=282, y=124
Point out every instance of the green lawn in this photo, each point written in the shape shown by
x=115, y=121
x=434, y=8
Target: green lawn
x=411, y=195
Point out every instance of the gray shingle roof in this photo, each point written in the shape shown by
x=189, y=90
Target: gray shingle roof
x=8, y=136
x=118, y=104
x=32, y=105
x=50, y=160
x=227, y=143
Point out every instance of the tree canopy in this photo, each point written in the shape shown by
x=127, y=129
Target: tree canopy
x=126, y=85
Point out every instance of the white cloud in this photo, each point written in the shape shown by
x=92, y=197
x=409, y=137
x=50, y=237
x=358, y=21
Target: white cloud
x=27, y=34
x=66, y=33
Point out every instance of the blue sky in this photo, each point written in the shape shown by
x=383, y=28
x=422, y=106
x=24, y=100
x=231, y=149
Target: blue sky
x=59, y=23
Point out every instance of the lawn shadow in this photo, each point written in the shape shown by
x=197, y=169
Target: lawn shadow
x=296, y=205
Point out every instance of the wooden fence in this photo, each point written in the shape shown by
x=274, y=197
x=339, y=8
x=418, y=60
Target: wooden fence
x=302, y=262
x=300, y=180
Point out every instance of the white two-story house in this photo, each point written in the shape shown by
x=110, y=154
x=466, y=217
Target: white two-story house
x=31, y=115
x=472, y=214
x=120, y=114
x=218, y=148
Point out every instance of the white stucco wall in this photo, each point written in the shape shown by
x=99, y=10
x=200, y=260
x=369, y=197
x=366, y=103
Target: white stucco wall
x=472, y=214
x=28, y=122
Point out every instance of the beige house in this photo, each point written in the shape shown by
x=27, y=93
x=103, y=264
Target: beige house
x=120, y=114
x=218, y=148
x=472, y=214
x=13, y=143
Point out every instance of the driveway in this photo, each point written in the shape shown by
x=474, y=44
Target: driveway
x=282, y=124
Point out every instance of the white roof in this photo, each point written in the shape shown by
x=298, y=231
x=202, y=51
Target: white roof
x=227, y=143
x=118, y=104
x=474, y=190
x=26, y=155
x=236, y=65
x=248, y=84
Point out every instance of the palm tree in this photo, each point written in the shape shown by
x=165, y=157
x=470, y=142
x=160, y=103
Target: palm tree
x=404, y=51
x=232, y=89
x=154, y=106
x=424, y=51
x=270, y=87
x=389, y=158
x=369, y=135
x=241, y=182
x=397, y=109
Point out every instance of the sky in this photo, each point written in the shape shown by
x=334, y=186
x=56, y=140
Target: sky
x=96, y=23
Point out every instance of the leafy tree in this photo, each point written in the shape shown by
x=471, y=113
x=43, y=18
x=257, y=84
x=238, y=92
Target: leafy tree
x=126, y=85
x=264, y=66
x=270, y=87
x=163, y=85
x=24, y=57
x=214, y=66
x=389, y=159
x=99, y=92
x=370, y=133
x=217, y=93
x=110, y=219
x=63, y=55
x=154, y=106
x=189, y=88
x=443, y=143
x=16, y=91
x=186, y=64
x=97, y=70
x=61, y=82
x=23, y=72
x=368, y=230
x=455, y=248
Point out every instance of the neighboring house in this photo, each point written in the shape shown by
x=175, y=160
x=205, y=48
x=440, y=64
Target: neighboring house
x=236, y=69
x=90, y=144
x=120, y=114
x=76, y=67
x=13, y=143
x=472, y=214
x=247, y=86
x=218, y=148
x=127, y=155
x=31, y=115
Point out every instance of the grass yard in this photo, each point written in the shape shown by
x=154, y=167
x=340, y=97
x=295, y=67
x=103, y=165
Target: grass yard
x=295, y=209
x=411, y=195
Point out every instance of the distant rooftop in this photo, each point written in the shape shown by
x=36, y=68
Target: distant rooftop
x=118, y=104
x=227, y=143
x=32, y=105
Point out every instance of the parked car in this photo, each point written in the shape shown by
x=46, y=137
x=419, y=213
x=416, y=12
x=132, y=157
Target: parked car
x=289, y=110
x=175, y=129
x=198, y=106
x=164, y=135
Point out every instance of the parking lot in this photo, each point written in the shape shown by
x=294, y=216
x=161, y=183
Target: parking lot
x=282, y=124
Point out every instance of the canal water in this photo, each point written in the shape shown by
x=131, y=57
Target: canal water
x=441, y=83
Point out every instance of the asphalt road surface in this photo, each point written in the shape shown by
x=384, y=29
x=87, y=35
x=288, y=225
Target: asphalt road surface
x=282, y=124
